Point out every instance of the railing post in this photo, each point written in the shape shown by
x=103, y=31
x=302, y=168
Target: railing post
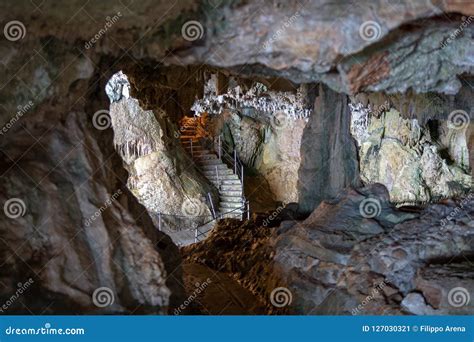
x=219, y=146
x=217, y=175
x=159, y=222
x=196, y=235
x=212, y=205
x=235, y=161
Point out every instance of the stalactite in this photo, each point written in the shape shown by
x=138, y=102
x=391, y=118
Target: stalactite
x=136, y=148
x=257, y=97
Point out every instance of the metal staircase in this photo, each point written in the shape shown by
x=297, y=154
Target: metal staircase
x=220, y=167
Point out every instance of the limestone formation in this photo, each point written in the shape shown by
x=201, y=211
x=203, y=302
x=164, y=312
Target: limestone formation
x=277, y=105
x=161, y=175
x=402, y=155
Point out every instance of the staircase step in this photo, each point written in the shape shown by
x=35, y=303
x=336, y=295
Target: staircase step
x=200, y=151
x=228, y=176
x=230, y=199
x=228, y=209
x=187, y=142
x=220, y=166
x=232, y=205
x=225, y=179
x=203, y=157
x=209, y=161
x=229, y=193
x=196, y=147
x=197, y=150
x=235, y=215
x=232, y=187
x=211, y=174
x=225, y=182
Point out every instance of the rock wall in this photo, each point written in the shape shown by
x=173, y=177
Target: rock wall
x=328, y=153
x=264, y=126
x=417, y=163
x=69, y=226
x=269, y=150
x=161, y=174
x=356, y=254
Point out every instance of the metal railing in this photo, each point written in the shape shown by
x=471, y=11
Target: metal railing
x=229, y=156
x=245, y=208
x=198, y=233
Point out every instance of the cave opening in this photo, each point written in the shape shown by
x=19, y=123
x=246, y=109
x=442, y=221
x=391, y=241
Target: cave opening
x=232, y=145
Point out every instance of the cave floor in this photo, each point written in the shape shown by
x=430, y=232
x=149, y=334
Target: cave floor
x=222, y=296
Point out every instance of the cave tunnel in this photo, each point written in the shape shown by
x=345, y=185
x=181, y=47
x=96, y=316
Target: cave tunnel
x=172, y=166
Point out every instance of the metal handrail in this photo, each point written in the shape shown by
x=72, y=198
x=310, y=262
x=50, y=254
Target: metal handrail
x=222, y=151
x=246, y=210
x=245, y=204
x=212, y=204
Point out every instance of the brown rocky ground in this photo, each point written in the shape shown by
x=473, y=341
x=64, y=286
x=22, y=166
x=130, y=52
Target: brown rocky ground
x=220, y=295
x=342, y=261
